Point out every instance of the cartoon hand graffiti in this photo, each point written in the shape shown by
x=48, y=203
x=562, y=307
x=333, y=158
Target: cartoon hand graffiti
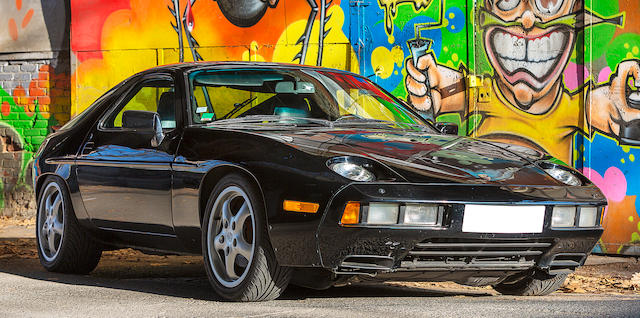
x=528, y=44
x=614, y=108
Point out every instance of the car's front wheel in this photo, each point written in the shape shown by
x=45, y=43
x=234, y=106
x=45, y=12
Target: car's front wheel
x=532, y=284
x=238, y=257
x=63, y=246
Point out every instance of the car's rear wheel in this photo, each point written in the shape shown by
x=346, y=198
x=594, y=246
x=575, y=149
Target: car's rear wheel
x=238, y=257
x=533, y=284
x=63, y=246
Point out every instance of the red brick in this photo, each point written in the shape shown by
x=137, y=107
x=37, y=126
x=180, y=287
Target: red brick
x=37, y=92
x=43, y=84
x=43, y=76
x=55, y=92
x=45, y=100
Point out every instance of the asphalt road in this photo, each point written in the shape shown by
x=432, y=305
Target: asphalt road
x=129, y=284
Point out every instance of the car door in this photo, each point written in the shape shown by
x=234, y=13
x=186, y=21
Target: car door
x=124, y=178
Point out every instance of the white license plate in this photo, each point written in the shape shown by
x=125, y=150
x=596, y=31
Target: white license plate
x=503, y=218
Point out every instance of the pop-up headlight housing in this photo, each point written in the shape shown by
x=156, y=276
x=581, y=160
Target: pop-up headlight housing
x=562, y=173
x=360, y=169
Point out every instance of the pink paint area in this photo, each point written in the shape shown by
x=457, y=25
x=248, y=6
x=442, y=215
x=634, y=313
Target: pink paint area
x=613, y=184
x=575, y=75
x=604, y=75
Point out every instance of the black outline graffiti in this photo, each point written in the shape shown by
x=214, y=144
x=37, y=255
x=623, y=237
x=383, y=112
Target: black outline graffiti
x=180, y=26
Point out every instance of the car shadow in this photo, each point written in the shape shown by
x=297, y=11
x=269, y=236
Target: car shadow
x=184, y=277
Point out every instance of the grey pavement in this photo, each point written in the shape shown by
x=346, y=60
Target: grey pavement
x=143, y=288
x=136, y=285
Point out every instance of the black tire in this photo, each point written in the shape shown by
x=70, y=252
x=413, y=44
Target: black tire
x=533, y=284
x=262, y=279
x=77, y=252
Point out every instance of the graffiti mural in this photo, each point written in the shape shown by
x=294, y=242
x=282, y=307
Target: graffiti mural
x=536, y=89
x=556, y=75
x=34, y=91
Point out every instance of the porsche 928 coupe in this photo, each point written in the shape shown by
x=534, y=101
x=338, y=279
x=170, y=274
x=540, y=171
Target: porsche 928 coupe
x=280, y=174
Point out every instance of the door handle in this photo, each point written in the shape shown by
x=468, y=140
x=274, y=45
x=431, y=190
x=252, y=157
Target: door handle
x=88, y=147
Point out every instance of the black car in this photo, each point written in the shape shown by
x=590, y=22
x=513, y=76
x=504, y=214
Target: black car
x=283, y=174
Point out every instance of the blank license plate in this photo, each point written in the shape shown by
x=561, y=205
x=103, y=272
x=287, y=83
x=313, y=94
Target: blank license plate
x=503, y=219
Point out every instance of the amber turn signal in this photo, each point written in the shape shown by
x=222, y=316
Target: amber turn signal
x=351, y=214
x=297, y=206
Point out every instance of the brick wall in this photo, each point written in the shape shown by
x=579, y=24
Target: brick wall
x=35, y=99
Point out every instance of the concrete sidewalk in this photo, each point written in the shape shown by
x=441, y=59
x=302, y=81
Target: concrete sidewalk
x=12, y=232
x=17, y=232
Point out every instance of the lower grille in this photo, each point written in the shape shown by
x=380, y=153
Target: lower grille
x=455, y=254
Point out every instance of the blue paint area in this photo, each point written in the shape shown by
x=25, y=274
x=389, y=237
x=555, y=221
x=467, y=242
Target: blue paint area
x=597, y=249
x=603, y=152
x=457, y=23
x=373, y=24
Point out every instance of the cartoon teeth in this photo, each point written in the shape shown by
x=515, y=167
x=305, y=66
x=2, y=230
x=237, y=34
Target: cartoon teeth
x=537, y=56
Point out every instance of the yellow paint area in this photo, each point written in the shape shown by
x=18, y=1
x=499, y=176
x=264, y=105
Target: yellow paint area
x=337, y=51
x=252, y=53
x=127, y=29
x=383, y=60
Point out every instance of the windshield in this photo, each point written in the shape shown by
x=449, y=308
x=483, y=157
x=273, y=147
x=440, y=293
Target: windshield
x=306, y=96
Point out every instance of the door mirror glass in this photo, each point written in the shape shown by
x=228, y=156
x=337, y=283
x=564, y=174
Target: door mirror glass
x=145, y=122
x=447, y=128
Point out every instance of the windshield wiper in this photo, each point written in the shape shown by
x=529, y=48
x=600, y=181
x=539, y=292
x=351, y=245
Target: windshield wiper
x=352, y=119
x=238, y=106
x=271, y=119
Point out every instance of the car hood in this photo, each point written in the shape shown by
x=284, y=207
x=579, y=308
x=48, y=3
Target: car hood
x=425, y=157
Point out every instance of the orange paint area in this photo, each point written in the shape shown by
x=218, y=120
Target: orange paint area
x=620, y=223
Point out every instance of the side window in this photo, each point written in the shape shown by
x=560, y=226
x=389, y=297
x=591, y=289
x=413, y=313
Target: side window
x=155, y=95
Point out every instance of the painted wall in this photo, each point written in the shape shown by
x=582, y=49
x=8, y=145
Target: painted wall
x=556, y=75
x=35, y=92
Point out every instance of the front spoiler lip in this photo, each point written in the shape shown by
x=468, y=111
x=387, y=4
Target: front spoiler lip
x=335, y=242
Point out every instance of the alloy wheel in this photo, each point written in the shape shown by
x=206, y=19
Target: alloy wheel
x=51, y=221
x=231, y=236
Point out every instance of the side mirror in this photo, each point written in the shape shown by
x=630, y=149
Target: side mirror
x=144, y=122
x=447, y=128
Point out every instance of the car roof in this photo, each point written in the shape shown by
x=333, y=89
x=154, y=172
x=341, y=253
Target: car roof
x=235, y=64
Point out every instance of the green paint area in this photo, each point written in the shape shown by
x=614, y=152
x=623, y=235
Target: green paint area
x=27, y=132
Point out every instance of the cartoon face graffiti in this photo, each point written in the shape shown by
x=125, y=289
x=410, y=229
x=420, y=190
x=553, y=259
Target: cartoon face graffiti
x=528, y=44
x=528, y=48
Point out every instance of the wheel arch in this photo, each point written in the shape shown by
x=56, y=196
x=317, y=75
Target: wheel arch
x=40, y=183
x=213, y=176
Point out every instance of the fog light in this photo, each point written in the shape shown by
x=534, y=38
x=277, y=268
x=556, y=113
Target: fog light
x=563, y=216
x=351, y=214
x=382, y=213
x=588, y=216
x=423, y=214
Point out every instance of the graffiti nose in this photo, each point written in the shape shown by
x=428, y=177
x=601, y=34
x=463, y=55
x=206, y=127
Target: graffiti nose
x=528, y=19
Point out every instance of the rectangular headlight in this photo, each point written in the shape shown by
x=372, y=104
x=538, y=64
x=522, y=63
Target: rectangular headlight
x=563, y=216
x=588, y=216
x=421, y=214
x=382, y=213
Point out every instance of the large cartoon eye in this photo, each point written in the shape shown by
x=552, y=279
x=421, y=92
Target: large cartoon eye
x=506, y=5
x=549, y=7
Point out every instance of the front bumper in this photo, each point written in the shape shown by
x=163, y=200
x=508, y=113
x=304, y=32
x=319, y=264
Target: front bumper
x=374, y=250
